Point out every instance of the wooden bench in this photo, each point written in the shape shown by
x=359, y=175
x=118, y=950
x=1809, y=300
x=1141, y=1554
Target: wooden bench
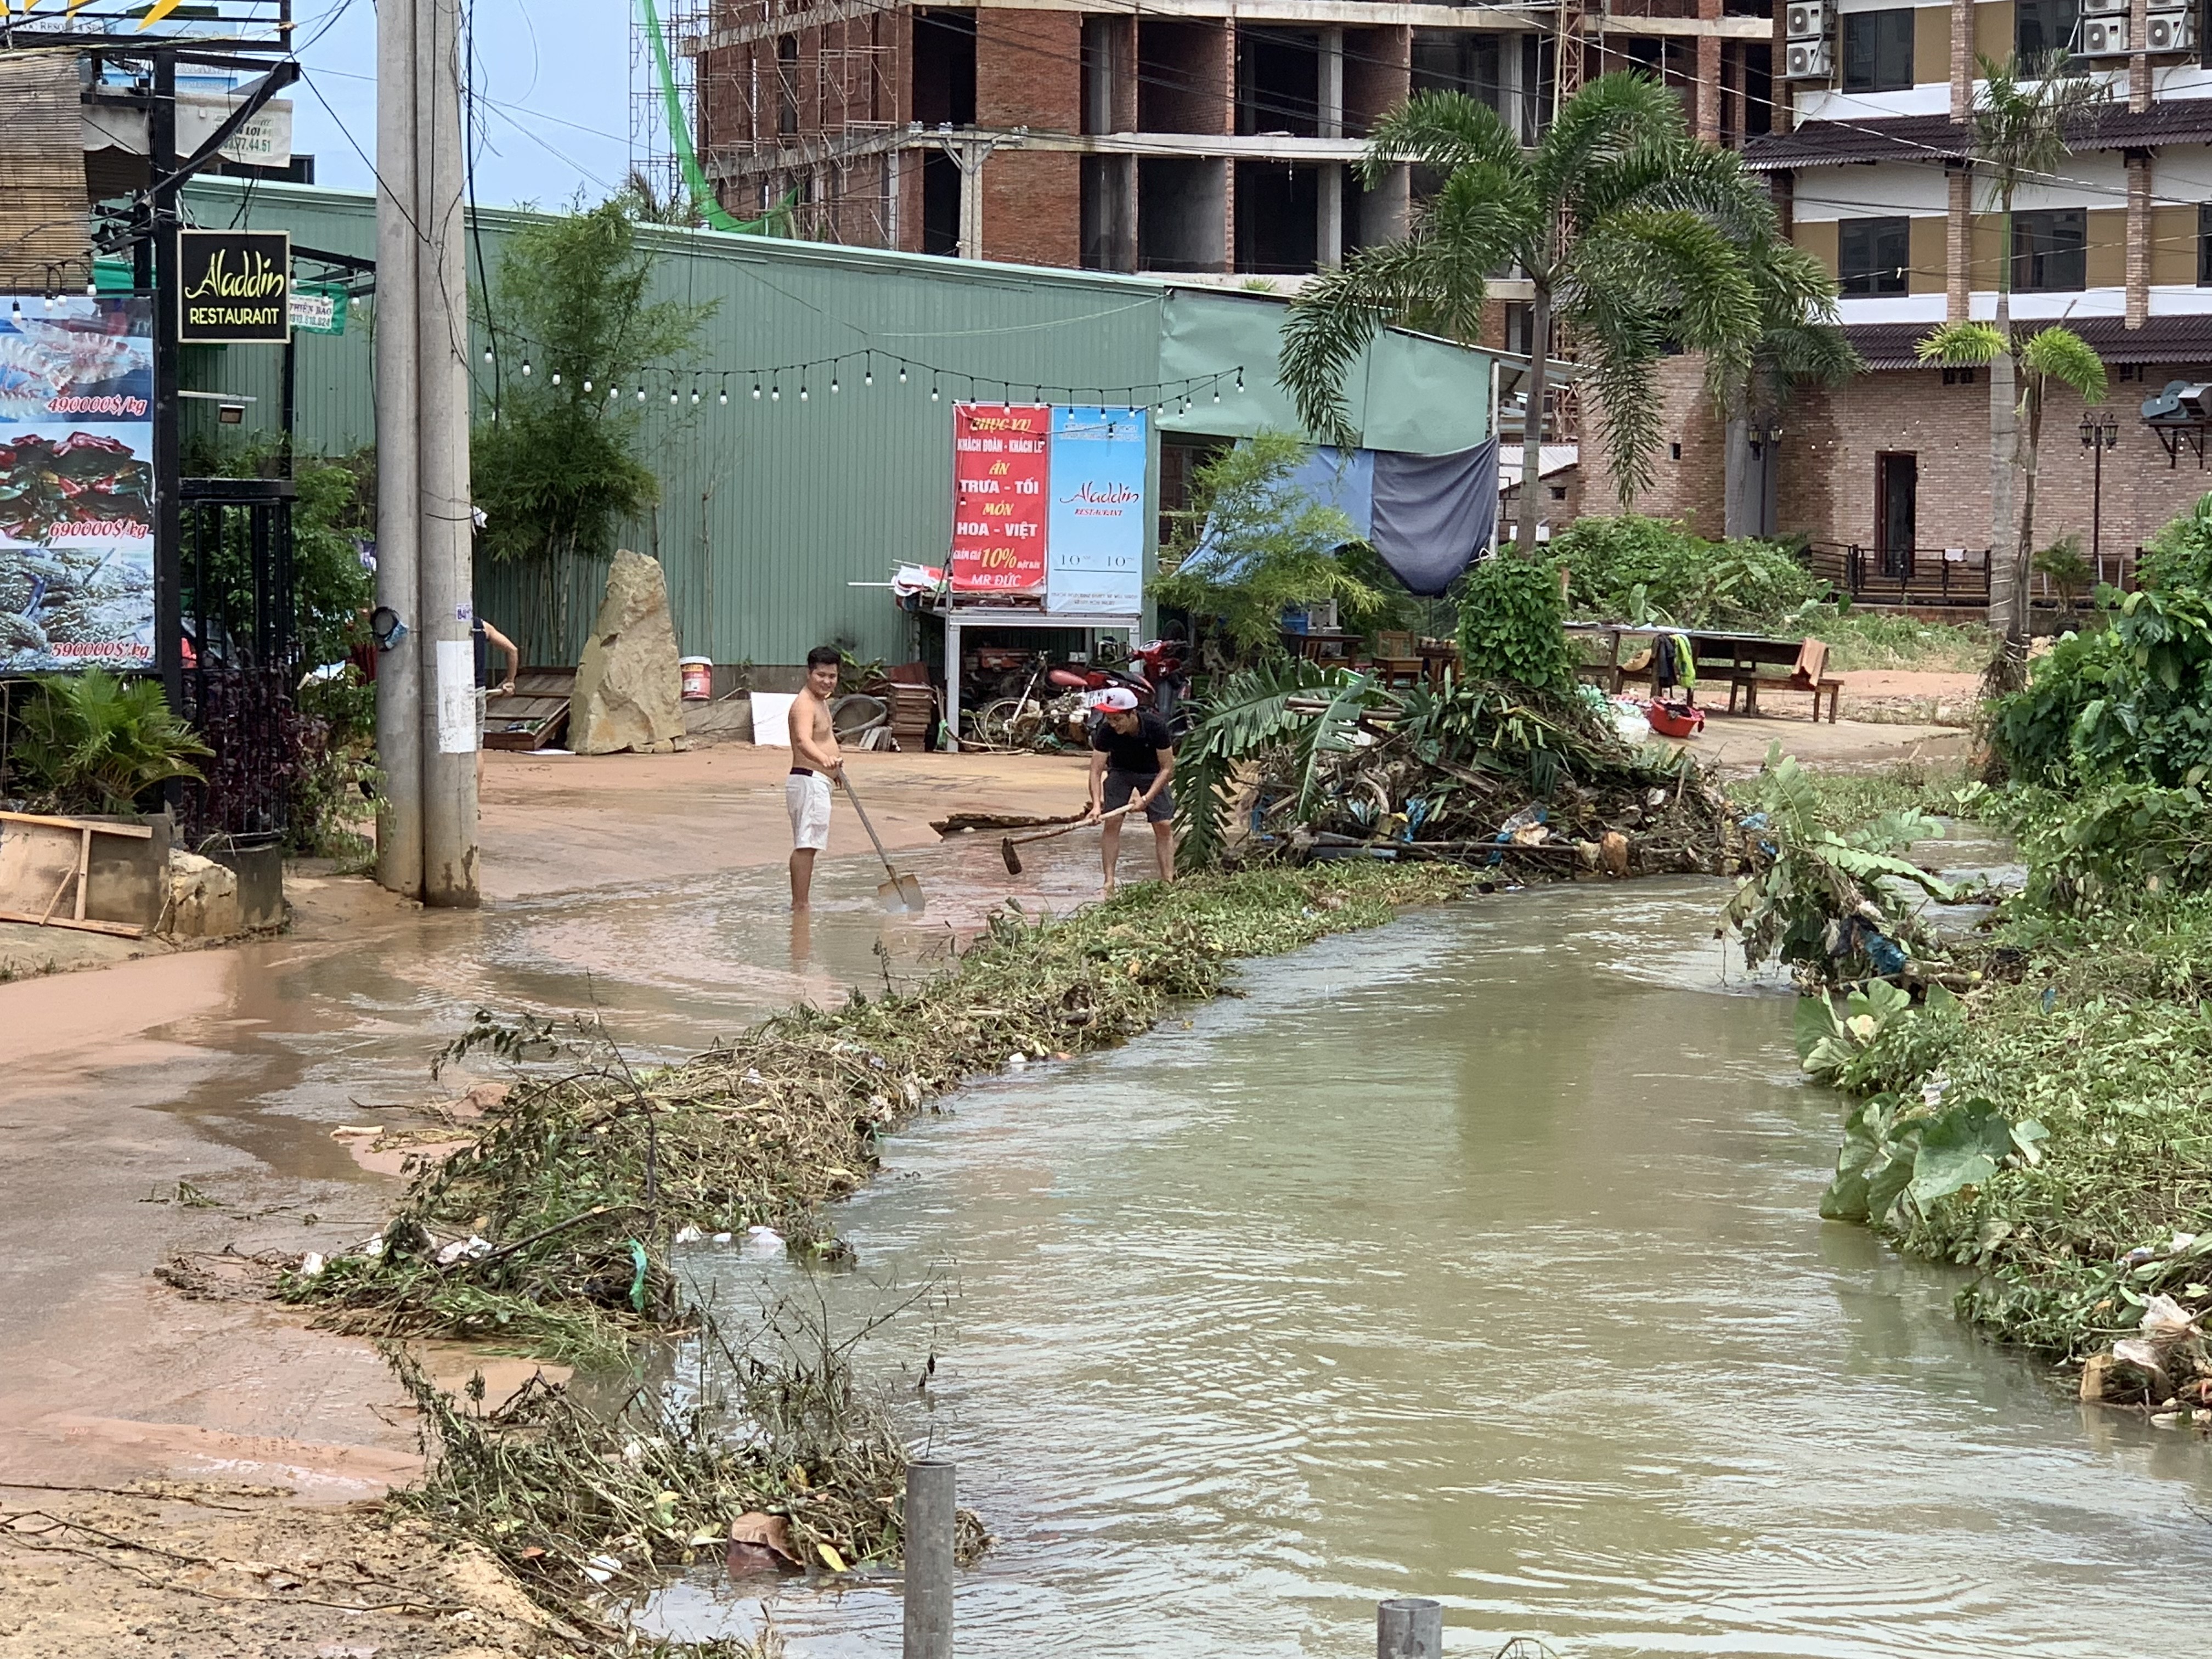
x=1751, y=685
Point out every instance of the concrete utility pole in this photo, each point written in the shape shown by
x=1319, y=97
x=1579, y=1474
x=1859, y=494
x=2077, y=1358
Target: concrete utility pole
x=426, y=723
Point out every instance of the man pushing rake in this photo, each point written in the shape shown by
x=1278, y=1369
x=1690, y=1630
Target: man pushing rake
x=1132, y=759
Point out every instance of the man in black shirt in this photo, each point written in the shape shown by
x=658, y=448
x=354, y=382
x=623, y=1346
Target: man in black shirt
x=1131, y=754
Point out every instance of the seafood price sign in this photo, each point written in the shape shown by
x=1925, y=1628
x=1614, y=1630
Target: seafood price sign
x=234, y=285
x=999, y=465
x=1048, y=503
x=76, y=483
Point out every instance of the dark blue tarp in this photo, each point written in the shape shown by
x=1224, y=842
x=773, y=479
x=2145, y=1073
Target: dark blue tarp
x=1434, y=514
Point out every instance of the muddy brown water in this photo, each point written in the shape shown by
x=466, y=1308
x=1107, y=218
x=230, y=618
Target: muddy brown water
x=1475, y=1257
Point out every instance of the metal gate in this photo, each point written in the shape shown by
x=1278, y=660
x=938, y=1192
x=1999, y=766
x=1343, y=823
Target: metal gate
x=240, y=658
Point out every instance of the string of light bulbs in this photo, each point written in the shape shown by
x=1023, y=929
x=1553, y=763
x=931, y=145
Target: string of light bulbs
x=765, y=383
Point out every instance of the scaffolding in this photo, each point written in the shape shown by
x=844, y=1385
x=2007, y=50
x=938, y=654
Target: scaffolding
x=801, y=105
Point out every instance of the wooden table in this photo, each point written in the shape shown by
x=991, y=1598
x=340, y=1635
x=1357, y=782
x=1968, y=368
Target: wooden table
x=1737, y=658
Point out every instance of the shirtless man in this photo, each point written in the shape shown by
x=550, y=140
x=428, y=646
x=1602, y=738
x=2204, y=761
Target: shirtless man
x=814, y=766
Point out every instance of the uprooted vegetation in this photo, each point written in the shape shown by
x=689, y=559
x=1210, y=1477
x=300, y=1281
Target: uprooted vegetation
x=2051, y=1127
x=552, y=1233
x=1302, y=761
x=775, y=1457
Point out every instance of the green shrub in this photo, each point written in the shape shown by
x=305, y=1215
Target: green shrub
x=1510, y=624
x=1631, y=568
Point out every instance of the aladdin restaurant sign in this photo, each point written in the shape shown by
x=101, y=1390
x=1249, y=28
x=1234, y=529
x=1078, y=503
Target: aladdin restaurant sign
x=234, y=285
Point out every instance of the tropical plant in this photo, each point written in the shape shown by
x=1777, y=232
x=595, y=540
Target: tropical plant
x=2053, y=353
x=1313, y=709
x=1254, y=546
x=2063, y=565
x=2021, y=114
x=1831, y=903
x=2130, y=702
x=1633, y=236
x=96, y=742
x=1512, y=625
x=556, y=466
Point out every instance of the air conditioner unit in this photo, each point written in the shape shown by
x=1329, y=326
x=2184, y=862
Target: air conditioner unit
x=2104, y=37
x=1806, y=60
x=2170, y=30
x=2099, y=7
x=1806, y=20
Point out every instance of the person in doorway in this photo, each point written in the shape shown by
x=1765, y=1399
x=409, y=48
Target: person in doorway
x=1131, y=757
x=814, y=766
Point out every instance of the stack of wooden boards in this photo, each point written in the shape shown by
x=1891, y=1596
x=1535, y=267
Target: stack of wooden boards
x=914, y=704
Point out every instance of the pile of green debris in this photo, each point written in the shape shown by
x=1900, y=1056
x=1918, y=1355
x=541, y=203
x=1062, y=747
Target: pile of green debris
x=1298, y=761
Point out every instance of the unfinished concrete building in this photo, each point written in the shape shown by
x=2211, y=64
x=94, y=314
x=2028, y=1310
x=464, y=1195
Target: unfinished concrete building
x=1193, y=137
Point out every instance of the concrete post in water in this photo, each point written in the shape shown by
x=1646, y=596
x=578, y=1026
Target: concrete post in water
x=930, y=1519
x=399, y=672
x=1409, y=1627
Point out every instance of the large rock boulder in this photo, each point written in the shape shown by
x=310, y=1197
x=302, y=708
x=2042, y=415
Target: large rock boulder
x=628, y=686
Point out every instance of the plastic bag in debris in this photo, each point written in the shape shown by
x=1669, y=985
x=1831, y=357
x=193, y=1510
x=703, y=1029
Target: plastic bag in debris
x=469, y=1248
x=1630, y=720
x=763, y=1243
x=2165, y=1322
x=689, y=1234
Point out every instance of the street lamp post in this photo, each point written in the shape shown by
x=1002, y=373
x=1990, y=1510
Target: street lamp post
x=2099, y=434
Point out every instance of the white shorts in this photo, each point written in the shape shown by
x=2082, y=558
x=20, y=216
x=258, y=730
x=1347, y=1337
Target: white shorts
x=806, y=798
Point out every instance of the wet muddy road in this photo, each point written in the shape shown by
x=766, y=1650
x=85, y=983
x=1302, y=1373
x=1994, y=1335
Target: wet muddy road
x=1478, y=1258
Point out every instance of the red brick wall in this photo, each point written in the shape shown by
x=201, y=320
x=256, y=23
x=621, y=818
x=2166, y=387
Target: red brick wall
x=1689, y=489
x=1029, y=73
x=1378, y=75
x=1028, y=70
x=1830, y=440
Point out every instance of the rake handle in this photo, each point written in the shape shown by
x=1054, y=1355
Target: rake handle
x=1070, y=828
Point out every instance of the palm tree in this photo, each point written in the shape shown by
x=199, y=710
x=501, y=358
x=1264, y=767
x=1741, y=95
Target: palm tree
x=1631, y=234
x=2048, y=354
x=2020, y=117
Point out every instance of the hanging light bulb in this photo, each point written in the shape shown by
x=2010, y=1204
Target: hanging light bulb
x=92, y=287
x=1240, y=378
x=640, y=394
x=832, y=386
x=556, y=380
x=755, y=391
x=775, y=392
x=587, y=385
x=725, y=398
x=1216, y=392
x=671, y=396
x=613, y=392
x=525, y=369
x=694, y=393
x=487, y=354
x=901, y=374
x=802, y=391
x=932, y=389
x=868, y=375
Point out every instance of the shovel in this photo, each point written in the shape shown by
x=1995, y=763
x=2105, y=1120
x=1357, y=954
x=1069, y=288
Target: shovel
x=900, y=893
x=1007, y=844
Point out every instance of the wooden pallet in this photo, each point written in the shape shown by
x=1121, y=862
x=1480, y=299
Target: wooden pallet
x=45, y=860
x=536, y=714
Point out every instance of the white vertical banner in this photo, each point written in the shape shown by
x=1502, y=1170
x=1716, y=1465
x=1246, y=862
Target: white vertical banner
x=458, y=730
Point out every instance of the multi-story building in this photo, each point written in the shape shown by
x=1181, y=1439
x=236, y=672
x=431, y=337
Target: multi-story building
x=1870, y=162
x=1194, y=137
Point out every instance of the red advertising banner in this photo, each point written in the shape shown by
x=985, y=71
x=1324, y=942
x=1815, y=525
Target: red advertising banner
x=1000, y=462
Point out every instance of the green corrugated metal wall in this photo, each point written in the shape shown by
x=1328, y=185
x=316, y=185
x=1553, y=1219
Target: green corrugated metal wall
x=769, y=510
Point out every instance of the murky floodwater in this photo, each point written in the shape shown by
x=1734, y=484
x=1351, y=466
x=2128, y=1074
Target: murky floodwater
x=1476, y=1257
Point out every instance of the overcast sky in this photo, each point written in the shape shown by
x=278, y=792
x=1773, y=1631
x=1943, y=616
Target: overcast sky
x=554, y=75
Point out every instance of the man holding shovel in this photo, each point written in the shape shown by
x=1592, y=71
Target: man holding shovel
x=1132, y=755
x=814, y=765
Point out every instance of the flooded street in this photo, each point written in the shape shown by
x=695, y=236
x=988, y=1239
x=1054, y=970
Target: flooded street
x=1478, y=1258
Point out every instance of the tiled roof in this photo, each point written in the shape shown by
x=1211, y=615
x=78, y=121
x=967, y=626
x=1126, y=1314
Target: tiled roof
x=1937, y=137
x=2160, y=340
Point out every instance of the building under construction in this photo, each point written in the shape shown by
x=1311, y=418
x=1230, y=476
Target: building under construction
x=1193, y=137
